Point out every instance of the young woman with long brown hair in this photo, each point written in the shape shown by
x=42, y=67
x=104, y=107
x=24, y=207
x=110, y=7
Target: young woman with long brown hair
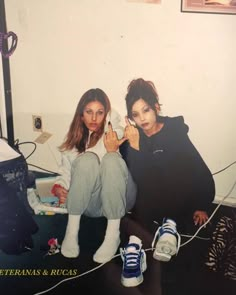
x=94, y=179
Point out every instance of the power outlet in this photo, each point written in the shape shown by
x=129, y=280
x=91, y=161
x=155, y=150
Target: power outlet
x=37, y=123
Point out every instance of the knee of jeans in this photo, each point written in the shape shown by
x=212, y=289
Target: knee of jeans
x=87, y=159
x=111, y=160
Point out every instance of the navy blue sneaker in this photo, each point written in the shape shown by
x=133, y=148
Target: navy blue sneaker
x=167, y=241
x=134, y=264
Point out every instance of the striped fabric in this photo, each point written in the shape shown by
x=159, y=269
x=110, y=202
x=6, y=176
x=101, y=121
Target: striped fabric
x=222, y=251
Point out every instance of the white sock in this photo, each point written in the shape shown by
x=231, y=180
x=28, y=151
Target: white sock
x=135, y=240
x=70, y=246
x=111, y=242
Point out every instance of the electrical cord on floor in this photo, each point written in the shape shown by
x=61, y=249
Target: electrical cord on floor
x=72, y=278
x=51, y=172
x=82, y=274
x=17, y=144
x=224, y=168
x=196, y=237
x=149, y=249
x=209, y=219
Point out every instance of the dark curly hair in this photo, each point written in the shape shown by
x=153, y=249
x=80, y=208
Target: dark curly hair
x=139, y=88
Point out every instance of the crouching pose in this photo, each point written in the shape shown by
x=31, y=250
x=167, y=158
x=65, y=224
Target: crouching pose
x=94, y=179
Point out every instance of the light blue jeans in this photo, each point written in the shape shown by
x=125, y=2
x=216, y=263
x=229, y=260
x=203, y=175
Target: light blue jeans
x=100, y=189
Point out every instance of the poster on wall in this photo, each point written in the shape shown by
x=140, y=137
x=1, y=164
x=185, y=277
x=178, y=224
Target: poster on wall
x=209, y=6
x=146, y=1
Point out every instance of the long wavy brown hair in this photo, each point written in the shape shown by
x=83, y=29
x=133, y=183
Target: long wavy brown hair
x=77, y=136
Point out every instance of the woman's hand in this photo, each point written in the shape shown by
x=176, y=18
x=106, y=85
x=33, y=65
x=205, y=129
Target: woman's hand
x=61, y=193
x=111, y=140
x=200, y=217
x=132, y=135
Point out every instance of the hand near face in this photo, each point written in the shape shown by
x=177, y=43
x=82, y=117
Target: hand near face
x=111, y=140
x=132, y=135
x=200, y=217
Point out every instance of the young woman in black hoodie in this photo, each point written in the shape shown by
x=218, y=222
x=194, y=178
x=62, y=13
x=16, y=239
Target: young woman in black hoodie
x=173, y=180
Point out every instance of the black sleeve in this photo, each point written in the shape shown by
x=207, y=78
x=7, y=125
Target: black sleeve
x=197, y=173
x=135, y=160
x=197, y=176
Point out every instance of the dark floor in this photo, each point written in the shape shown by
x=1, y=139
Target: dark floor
x=184, y=275
x=52, y=269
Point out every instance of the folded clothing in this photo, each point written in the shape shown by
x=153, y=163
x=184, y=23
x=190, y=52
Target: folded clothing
x=46, y=205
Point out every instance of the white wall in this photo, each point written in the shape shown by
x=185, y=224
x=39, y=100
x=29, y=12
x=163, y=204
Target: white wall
x=66, y=47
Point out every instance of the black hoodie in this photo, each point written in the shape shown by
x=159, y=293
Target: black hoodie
x=171, y=176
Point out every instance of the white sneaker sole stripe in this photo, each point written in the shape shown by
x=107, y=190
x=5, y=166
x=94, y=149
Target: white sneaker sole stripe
x=164, y=250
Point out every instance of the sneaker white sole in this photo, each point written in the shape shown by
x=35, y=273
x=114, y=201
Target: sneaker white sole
x=164, y=250
x=131, y=282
